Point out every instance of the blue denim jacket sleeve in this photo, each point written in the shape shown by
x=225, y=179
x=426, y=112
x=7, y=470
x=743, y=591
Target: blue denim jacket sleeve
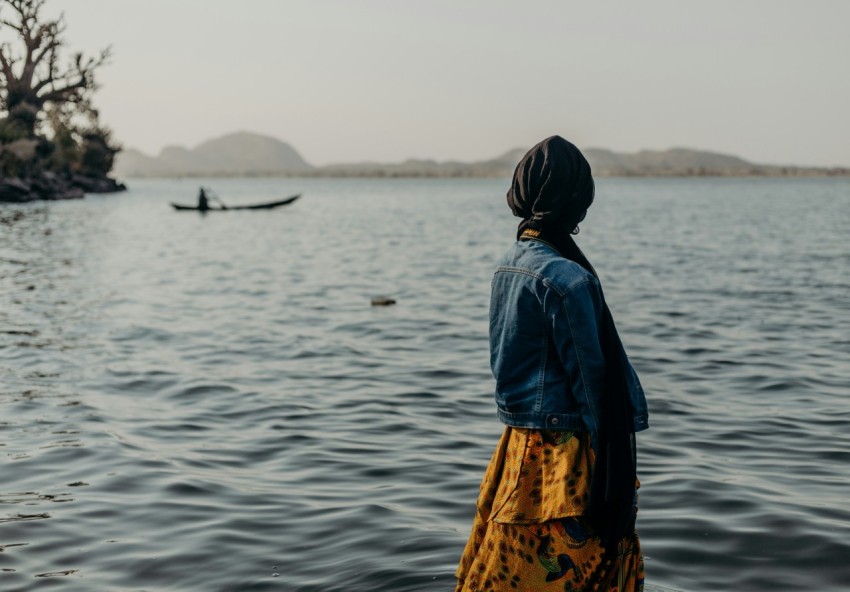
x=575, y=319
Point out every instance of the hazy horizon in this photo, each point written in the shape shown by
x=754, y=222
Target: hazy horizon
x=385, y=81
x=497, y=154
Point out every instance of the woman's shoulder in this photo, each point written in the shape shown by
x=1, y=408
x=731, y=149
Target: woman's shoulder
x=565, y=275
x=541, y=260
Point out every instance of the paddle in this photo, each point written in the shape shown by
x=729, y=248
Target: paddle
x=213, y=194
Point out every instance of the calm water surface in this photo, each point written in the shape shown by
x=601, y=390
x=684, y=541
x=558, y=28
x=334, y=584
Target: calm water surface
x=210, y=402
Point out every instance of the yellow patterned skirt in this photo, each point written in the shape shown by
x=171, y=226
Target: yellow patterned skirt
x=528, y=534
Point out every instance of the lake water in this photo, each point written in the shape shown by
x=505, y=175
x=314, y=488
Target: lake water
x=210, y=402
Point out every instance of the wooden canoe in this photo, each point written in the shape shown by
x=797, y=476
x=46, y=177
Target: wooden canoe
x=260, y=206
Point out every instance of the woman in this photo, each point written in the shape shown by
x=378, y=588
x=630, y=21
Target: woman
x=558, y=500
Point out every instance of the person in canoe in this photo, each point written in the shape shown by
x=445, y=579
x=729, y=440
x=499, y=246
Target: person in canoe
x=203, y=202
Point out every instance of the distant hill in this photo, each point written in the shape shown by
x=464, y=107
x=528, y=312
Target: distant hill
x=247, y=154
x=233, y=155
x=605, y=163
x=676, y=161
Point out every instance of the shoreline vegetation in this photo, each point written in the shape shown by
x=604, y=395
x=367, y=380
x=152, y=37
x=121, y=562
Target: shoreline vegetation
x=52, y=144
x=245, y=154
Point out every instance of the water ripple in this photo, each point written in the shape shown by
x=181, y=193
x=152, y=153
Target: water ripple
x=211, y=403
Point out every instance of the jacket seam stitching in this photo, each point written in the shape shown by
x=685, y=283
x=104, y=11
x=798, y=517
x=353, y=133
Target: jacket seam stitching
x=541, y=379
x=520, y=270
x=544, y=354
x=544, y=280
x=563, y=293
x=581, y=370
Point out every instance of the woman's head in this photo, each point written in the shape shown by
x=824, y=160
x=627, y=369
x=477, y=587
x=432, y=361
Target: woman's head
x=552, y=187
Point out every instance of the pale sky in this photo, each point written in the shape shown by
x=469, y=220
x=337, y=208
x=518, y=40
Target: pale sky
x=386, y=80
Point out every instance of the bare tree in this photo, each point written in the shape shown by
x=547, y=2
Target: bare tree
x=32, y=73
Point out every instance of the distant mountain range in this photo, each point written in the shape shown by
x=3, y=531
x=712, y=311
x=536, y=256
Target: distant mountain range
x=245, y=154
x=233, y=155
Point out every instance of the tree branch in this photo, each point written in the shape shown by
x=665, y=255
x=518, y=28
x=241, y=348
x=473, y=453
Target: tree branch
x=82, y=70
x=30, y=70
x=46, y=39
x=16, y=26
x=6, y=64
x=64, y=93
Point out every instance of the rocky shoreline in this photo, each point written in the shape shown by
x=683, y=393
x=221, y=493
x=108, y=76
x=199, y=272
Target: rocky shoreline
x=50, y=186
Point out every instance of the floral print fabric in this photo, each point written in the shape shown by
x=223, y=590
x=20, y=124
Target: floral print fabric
x=528, y=533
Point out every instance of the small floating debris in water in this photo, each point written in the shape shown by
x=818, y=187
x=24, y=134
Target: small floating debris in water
x=382, y=301
x=275, y=575
x=54, y=574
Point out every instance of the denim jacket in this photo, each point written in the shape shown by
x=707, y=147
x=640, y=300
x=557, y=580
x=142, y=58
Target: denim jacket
x=545, y=351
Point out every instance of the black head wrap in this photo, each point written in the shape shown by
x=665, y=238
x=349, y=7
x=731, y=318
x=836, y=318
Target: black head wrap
x=552, y=187
x=551, y=191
